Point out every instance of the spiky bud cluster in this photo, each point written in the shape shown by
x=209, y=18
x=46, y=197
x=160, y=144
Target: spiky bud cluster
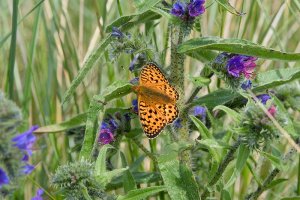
x=134, y=45
x=256, y=128
x=75, y=178
x=10, y=116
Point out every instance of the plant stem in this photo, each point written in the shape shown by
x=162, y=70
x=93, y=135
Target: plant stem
x=177, y=78
x=229, y=157
x=260, y=189
x=148, y=153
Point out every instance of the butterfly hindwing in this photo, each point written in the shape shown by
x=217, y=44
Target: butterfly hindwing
x=151, y=119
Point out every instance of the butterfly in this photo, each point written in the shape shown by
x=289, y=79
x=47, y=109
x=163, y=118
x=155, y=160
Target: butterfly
x=156, y=100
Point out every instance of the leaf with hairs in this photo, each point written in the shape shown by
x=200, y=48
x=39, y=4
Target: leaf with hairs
x=238, y=46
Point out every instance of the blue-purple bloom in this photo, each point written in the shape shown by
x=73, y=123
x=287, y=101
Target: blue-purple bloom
x=38, y=195
x=106, y=136
x=135, y=105
x=134, y=81
x=25, y=142
x=241, y=64
x=132, y=63
x=178, y=9
x=117, y=33
x=189, y=11
x=246, y=85
x=263, y=98
x=196, y=8
x=3, y=178
x=200, y=111
x=27, y=169
x=177, y=123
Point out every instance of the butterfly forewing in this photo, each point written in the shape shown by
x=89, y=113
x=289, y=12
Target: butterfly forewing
x=154, y=113
x=152, y=75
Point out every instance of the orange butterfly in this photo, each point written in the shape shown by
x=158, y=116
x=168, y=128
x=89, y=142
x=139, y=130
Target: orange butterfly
x=156, y=100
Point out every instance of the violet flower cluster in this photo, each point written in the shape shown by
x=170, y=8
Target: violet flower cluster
x=188, y=12
x=24, y=142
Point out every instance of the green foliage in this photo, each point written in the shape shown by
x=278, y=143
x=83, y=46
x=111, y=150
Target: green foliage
x=53, y=51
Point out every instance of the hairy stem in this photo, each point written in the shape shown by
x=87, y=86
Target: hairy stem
x=260, y=189
x=228, y=158
x=177, y=78
x=148, y=153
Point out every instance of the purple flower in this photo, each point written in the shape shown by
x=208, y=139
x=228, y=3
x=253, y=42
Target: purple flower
x=132, y=63
x=27, y=169
x=200, y=111
x=241, y=64
x=3, y=178
x=246, y=85
x=272, y=110
x=177, y=123
x=263, y=98
x=196, y=8
x=113, y=124
x=25, y=141
x=134, y=81
x=127, y=117
x=178, y=9
x=135, y=105
x=116, y=33
x=39, y=194
x=106, y=136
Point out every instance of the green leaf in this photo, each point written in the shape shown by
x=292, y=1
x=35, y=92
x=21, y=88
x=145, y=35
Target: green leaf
x=76, y=121
x=238, y=46
x=144, y=5
x=139, y=194
x=128, y=180
x=276, y=161
x=116, y=90
x=205, y=133
x=276, y=77
x=291, y=198
x=225, y=195
x=218, y=97
x=87, y=65
x=200, y=81
x=211, y=143
x=232, y=113
x=276, y=182
x=102, y=175
x=225, y=4
x=203, y=56
x=100, y=165
x=178, y=178
x=139, y=177
x=105, y=179
x=255, y=175
x=264, y=80
x=242, y=157
x=128, y=21
x=91, y=126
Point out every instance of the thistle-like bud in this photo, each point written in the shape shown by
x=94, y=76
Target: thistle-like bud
x=10, y=116
x=75, y=178
x=256, y=128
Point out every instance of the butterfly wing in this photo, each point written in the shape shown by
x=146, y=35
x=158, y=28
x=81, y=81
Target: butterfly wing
x=154, y=116
x=152, y=120
x=152, y=75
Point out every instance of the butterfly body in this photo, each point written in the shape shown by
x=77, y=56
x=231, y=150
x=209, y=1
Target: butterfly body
x=156, y=100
